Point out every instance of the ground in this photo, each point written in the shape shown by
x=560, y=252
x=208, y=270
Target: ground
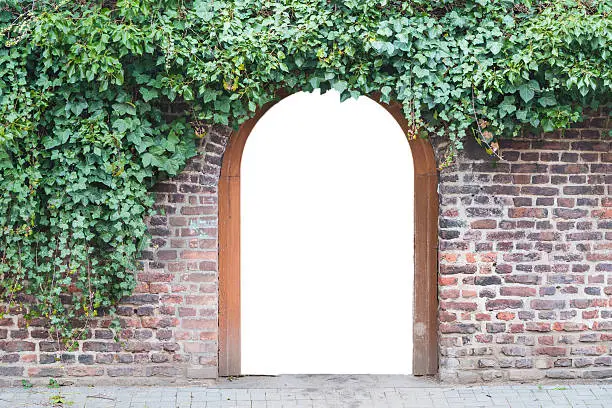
x=314, y=392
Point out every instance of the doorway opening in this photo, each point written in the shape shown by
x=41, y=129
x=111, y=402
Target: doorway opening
x=362, y=319
x=326, y=240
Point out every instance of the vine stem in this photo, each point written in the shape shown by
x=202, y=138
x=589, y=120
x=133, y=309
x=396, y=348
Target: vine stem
x=479, y=129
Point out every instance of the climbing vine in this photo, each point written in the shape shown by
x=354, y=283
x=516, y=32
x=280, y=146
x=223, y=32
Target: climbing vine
x=98, y=101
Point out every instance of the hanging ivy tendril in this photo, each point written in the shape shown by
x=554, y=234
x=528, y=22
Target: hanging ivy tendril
x=86, y=88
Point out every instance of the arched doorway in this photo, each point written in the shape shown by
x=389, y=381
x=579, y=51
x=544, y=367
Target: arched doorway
x=425, y=230
x=327, y=245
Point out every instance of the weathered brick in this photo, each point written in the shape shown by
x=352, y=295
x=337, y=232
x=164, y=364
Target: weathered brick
x=515, y=351
x=565, y=213
x=528, y=168
x=524, y=363
x=487, y=280
x=457, y=328
x=583, y=190
x=523, y=279
x=526, y=212
x=551, y=351
x=483, y=212
x=46, y=372
x=546, y=304
x=505, y=235
x=539, y=191
x=455, y=269
x=14, y=346
x=501, y=190
x=142, y=299
x=101, y=346
x=598, y=374
x=517, y=291
x=522, y=201
x=484, y=224
x=538, y=326
x=598, y=146
x=11, y=371
x=198, y=324
x=496, y=327
x=501, y=304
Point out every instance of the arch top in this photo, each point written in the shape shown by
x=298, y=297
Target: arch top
x=422, y=151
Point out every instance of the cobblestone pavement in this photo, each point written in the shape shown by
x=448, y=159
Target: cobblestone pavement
x=336, y=393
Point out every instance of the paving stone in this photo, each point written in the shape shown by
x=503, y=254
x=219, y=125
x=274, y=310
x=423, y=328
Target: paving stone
x=354, y=395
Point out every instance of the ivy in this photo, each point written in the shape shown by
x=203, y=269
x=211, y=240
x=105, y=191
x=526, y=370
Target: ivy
x=98, y=98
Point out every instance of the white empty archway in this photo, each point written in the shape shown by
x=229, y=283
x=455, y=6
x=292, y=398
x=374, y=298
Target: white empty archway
x=326, y=240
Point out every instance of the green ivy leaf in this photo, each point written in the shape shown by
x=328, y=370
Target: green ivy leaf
x=527, y=90
x=223, y=105
x=495, y=47
x=146, y=159
x=507, y=106
x=386, y=91
x=148, y=94
x=121, y=125
x=547, y=101
x=340, y=86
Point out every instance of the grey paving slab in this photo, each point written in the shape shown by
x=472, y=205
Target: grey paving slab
x=316, y=392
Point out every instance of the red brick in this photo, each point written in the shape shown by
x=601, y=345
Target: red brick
x=501, y=304
x=599, y=256
x=607, y=213
x=506, y=315
x=517, y=291
x=200, y=299
x=545, y=304
x=155, y=277
x=447, y=281
x=569, y=326
x=455, y=269
x=468, y=293
x=199, y=347
x=188, y=254
x=517, y=328
x=538, y=326
x=546, y=340
x=483, y=224
x=465, y=328
x=447, y=316
x=176, y=299
x=526, y=212
x=159, y=288
x=18, y=346
x=198, y=324
x=551, y=351
x=81, y=371
x=449, y=293
x=450, y=258
x=198, y=210
x=458, y=305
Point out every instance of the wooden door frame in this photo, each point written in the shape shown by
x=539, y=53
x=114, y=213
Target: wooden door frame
x=425, y=324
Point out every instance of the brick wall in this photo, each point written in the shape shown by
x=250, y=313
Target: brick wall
x=525, y=283
x=169, y=324
x=525, y=278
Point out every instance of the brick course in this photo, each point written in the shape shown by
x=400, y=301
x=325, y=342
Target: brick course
x=525, y=274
